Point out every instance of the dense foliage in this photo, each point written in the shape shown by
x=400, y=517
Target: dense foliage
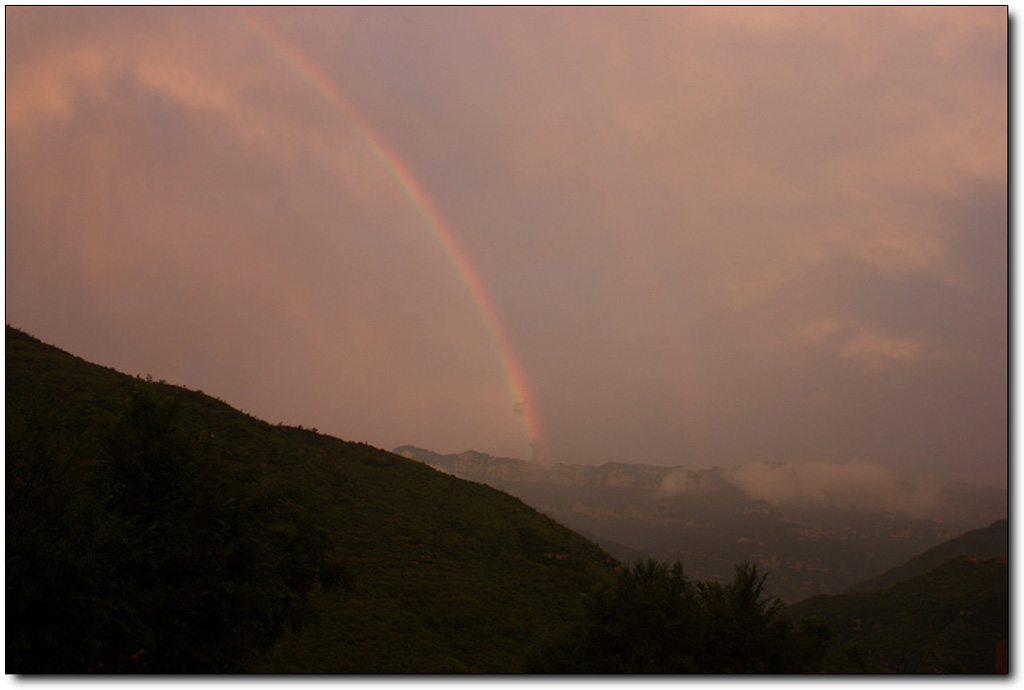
x=654, y=619
x=151, y=556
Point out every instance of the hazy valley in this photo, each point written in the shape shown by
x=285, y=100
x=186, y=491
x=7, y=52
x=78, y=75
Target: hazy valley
x=707, y=520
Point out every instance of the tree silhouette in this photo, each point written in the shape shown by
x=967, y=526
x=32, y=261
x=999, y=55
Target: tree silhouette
x=63, y=610
x=653, y=619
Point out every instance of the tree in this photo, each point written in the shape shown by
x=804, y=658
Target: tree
x=653, y=619
x=63, y=610
x=643, y=622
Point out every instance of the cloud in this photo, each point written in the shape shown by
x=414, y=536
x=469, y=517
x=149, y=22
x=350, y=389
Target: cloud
x=203, y=215
x=875, y=351
x=869, y=347
x=853, y=485
x=698, y=226
x=856, y=486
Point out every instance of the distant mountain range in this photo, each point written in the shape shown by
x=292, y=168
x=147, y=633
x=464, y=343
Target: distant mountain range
x=806, y=548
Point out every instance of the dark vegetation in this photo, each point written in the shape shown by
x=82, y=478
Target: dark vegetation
x=654, y=619
x=151, y=528
x=140, y=554
x=949, y=619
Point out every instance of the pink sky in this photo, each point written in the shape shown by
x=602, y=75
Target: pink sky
x=705, y=236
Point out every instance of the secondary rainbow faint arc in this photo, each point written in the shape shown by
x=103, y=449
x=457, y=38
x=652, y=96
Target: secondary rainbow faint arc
x=428, y=213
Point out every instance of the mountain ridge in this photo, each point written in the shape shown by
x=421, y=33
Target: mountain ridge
x=951, y=618
x=979, y=544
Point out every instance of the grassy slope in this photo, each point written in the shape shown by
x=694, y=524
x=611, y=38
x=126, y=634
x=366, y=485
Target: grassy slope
x=448, y=575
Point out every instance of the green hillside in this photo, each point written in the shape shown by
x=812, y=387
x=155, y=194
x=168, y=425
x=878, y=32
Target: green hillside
x=443, y=575
x=949, y=619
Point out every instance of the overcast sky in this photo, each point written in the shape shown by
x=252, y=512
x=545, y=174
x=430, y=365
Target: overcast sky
x=680, y=236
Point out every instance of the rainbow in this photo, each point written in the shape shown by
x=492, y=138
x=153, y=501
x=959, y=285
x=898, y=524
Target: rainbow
x=390, y=162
